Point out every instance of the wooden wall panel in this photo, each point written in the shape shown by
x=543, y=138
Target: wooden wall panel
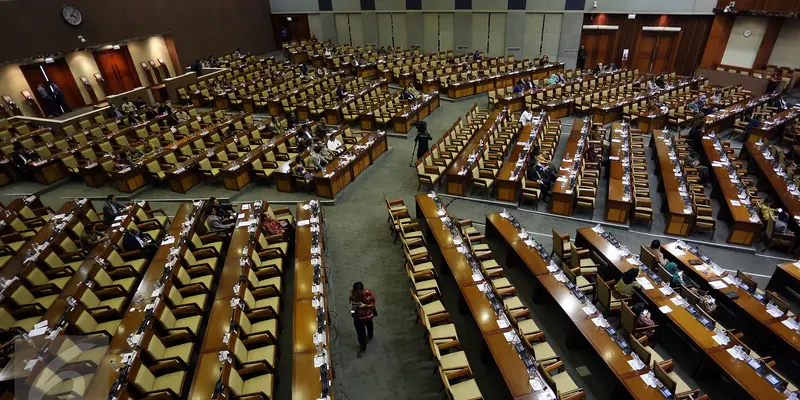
x=686, y=50
x=763, y=5
x=717, y=40
x=768, y=43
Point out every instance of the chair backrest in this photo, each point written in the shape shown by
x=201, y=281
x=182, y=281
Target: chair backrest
x=85, y=322
x=603, y=293
x=747, y=280
x=646, y=257
x=145, y=379
x=690, y=296
x=780, y=302
x=558, y=244
x=639, y=349
x=627, y=319
x=156, y=348
x=664, y=378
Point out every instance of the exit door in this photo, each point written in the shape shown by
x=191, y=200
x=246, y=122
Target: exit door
x=118, y=71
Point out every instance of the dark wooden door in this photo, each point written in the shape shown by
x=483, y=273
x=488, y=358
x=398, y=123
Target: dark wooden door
x=296, y=29
x=663, y=54
x=599, y=47
x=118, y=70
x=57, y=72
x=643, y=56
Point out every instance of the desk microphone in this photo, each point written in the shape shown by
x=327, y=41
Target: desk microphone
x=219, y=387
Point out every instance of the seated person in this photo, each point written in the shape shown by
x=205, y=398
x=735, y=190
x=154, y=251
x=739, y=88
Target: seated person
x=672, y=269
x=660, y=81
x=112, y=209
x=544, y=60
x=218, y=224
x=140, y=102
x=643, y=319
x=406, y=95
x=627, y=282
x=149, y=113
x=767, y=212
x=655, y=249
x=182, y=116
x=322, y=125
x=334, y=145
x=127, y=107
x=341, y=92
x=316, y=159
x=89, y=237
x=476, y=56
x=782, y=223
x=225, y=211
x=693, y=106
x=519, y=87
x=135, y=240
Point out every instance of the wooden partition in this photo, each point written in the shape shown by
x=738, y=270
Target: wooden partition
x=678, y=51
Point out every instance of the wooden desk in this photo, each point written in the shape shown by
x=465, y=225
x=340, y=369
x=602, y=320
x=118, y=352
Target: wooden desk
x=769, y=126
x=458, y=184
x=768, y=179
x=738, y=372
x=306, y=383
x=652, y=120
x=724, y=119
x=743, y=230
x=340, y=172
x=618, y=206
x=508, y=189
x=678, y=221
x=563, y=196
x=415, y=111
x=786, y=275
x=511, y=367
x=762, y=329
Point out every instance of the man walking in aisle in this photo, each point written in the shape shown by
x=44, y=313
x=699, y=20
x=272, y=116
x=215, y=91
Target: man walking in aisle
x=362, y=308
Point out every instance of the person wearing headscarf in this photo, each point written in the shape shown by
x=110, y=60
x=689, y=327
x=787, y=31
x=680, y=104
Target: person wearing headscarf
x=672, y=269
x=627, y=282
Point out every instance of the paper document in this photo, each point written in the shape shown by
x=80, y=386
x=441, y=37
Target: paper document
x=665, y=309
x=718, y=285
x=646, y=285
x=303, y=222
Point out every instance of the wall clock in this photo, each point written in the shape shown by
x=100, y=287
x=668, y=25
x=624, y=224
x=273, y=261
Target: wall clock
x=747, y=32
x=71, y=15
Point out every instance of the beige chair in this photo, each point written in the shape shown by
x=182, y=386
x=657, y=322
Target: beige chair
x=105, y=281
x=259, y=386
x=266, y=304
x=561, y=245
x=188, y=323
x=195, y=302
x=450, y=359
x=605, y=296
x=181, y=352
x=460, y=386
x=266, y=356
x=111, y=306
x=9, y=322
x=22, y=297
x=557, y=378
x=87, y=325
x=262, y=329
x=643, y=211
x=151, y=386
x=665, y=373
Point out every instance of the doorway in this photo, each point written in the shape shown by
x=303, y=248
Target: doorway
x=655, y=52
x=59, y=73
x=118, y=71
x=296, y=26
x=599, y=47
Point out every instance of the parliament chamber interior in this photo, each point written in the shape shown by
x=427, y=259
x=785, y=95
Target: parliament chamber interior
x=400, y=199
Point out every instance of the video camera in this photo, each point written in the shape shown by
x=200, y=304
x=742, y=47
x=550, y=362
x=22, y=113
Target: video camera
x=421, y=126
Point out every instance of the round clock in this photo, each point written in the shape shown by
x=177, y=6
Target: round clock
x=72, y=15
x=747, y=32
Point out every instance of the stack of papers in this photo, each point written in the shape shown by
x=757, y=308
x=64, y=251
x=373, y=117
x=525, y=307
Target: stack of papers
x=718, y=285
x=665, y=309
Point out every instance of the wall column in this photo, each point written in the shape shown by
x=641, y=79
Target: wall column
x=768, y=43
x=717, y=41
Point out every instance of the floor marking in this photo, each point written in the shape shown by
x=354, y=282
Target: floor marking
x=749, y=273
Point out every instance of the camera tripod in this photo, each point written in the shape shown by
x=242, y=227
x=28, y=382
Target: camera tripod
x=413, y=155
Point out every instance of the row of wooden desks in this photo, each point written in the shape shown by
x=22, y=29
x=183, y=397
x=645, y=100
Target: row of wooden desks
x=680, y=216
x=491, y=82
x=664, y=306
x=564, y=193
x=620, y=200
x=519, y=253
x=340, y=172
x=724, y=119
x=744, y=227
x=768, y=179
x=512, y=368
x=769, y=126
x=764, y=329
x=309, y=257
x=508, y=183
x=415, y=111
x=457, y=183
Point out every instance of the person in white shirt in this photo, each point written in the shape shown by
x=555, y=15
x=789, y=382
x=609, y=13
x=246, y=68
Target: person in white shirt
x=334, y=145
x=651, y=85
x=526, y=117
